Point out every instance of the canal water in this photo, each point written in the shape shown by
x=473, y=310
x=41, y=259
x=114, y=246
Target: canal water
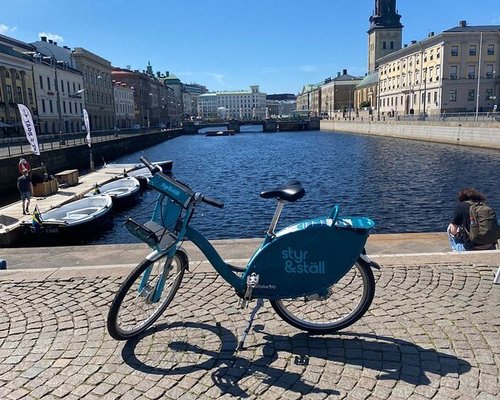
x=403, y=185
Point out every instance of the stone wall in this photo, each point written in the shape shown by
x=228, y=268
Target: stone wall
x=77, y=157
x=466, y=134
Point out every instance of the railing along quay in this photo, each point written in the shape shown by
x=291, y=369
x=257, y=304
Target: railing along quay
x=18, y=145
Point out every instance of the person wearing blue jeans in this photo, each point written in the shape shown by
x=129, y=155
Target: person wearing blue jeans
x=460, y=224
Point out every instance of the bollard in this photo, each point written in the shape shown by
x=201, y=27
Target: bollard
x=3, y=264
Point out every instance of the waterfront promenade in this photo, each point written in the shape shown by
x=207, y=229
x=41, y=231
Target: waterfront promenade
x=432, y=332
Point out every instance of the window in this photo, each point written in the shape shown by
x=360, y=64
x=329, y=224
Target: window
x=43, y=106
x=384, y=45
x=9, y=94
x=392, y=45
x=453, y=72
x=62, y=86
x=69, y=90
x=471, y=94
x=30, y=95
x=48, y=84
x=41, y=81
x=489, y=93
x=19, y=95
x=64, y=107
x=471, y=72
x=453, y=95
x=489, y=71
x=50, y=106
x=435, y=97
x=490, y=50
x=472, y=50
x=454, y=51
x=7, y=74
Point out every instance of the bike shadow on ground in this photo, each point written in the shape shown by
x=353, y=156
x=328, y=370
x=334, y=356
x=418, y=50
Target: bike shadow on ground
x=389, y=358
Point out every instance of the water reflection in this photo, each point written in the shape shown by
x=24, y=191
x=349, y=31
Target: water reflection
x=405, y=186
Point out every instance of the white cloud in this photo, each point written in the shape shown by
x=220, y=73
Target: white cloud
x=52, y=36
x=219, y=78
x=308, y=68
x=4, y=29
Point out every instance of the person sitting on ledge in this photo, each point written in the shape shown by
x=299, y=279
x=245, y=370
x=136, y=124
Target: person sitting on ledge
x=458, y=230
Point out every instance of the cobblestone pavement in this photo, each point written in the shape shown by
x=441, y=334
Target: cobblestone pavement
x=431, y=333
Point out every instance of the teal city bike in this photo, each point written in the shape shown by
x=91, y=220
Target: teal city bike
x=316, y=273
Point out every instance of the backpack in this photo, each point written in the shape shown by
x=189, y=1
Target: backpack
x=484, y=227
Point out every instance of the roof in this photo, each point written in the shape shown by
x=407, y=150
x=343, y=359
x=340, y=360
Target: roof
x=369, y=80
x=479, y=28
x=346, y=77
x=11, y=52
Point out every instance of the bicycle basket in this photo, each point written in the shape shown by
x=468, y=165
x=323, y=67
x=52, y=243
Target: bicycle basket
x=163, y=228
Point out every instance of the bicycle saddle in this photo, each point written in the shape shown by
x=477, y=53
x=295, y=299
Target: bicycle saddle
x=290, y=191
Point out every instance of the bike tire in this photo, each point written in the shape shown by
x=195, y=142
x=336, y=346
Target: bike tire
x=122, y=322
x=348, y=300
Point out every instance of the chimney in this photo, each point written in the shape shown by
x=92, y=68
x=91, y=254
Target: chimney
x=413, y=42
x=55, y=43
x=338, y=74
x=431, y=34
x=51, y=41
x=43, y=38
x=405, y=45
x=344, y=72
x=462, y=23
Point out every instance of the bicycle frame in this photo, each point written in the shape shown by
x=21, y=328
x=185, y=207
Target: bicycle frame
x=301, y=260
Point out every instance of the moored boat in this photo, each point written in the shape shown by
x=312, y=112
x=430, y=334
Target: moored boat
x=123, y=191
x=72, y=220
x=229, y=132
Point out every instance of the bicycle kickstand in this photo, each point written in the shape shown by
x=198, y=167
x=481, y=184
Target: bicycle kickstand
x=260, y=303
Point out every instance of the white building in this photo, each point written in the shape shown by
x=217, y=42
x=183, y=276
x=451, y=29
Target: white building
x=243, y=105
x=59, y=94
x=124, y=105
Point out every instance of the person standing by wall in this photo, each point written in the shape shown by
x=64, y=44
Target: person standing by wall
x=26, y=189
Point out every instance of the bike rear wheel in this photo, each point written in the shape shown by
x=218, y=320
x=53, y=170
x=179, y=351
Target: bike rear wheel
x=346, y=302
x=132, y=310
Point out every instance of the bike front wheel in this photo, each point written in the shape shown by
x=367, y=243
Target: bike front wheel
x=134, y=309
x=345, y=303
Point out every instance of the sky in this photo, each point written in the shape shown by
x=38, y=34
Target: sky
x=280, y=45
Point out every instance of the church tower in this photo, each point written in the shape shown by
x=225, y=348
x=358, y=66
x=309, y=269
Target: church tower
x=386, y=32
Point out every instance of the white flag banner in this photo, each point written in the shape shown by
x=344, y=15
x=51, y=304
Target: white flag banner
x=87, y=125
x=29, y=128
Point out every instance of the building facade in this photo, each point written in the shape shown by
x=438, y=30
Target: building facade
x=450, y=72
x=96, y=72
x=59, y=93
x=337, y=95
x=16, y=86
x=309, y=100
x=124, y=105
x=243, y=105
x=280, y=105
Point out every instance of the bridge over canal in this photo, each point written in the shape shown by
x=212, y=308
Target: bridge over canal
x=268, y=125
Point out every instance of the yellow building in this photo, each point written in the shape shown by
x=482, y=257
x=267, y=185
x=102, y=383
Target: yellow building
x=450, y=72
x=16, y=86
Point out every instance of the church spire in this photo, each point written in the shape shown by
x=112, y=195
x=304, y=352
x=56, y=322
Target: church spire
x=385, y=15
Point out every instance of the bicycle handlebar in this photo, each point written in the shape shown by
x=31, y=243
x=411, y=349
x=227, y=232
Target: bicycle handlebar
x=153, y=168
x=212, y=202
